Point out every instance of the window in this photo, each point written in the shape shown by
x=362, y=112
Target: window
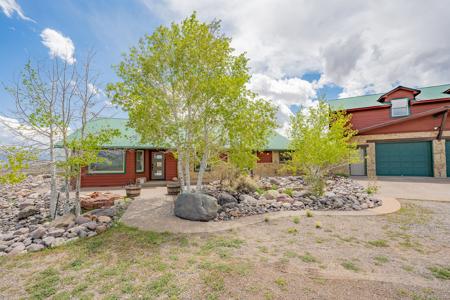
x=139, y=161
x=111, y=161
x=285, y=156
x=400, y=107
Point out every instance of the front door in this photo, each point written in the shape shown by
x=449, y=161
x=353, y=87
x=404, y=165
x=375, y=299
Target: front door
x=157, y=165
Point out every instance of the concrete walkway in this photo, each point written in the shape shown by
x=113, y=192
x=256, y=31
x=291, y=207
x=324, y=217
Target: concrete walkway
x=413, y=188
x=154, y=211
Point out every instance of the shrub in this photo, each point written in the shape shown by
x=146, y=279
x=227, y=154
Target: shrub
x=318, y=224
x=288, y=192
x=296, y=220
x=245, y=184
x=226, y=172
x=309, y=213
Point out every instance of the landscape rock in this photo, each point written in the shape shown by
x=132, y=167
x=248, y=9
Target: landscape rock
x=35, y=247
x=196, y=207
x=38, y=233
x=104, y=219
x=27, y=212
x=48, y=241
x=63, y=221
x=82, y=220
x=225, y=198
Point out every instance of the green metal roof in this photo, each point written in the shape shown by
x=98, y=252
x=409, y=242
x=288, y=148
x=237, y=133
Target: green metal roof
x=431, y=92
x=129, y=138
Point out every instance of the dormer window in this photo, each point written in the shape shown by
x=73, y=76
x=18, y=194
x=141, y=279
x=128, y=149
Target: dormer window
x=400, y=107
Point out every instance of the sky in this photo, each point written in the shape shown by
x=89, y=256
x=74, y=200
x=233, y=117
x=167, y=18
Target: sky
x=299, y=50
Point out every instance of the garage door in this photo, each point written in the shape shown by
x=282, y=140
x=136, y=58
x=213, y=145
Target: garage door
x=447, y=155
x=404, y=159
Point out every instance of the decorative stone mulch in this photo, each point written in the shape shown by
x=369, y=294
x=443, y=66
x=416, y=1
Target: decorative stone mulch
x=24, y=218
x=290, y=193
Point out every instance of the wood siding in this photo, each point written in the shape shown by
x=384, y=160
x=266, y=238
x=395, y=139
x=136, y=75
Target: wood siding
x=365, y=118
x=264, y=157
x=170, y=166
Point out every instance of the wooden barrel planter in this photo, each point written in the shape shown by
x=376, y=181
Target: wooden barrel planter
x=133, y=190
x=173, y=188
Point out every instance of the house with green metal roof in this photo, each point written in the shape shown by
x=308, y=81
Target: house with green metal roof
x=127, y=159
x=402, y=132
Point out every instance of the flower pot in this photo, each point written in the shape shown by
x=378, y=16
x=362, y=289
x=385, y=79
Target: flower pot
x=173, y=188
x=133, y=191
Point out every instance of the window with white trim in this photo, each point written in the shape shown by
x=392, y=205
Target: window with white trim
x=139, y=161
x=111, y=161
x=400, y=107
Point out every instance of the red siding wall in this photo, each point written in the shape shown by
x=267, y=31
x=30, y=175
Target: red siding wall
x=170, y=166
x=264, y=157
x=93, y=180
x=365, y=118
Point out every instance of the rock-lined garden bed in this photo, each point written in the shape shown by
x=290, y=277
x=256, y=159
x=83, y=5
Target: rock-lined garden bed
x=273, y=194
x=25, y=224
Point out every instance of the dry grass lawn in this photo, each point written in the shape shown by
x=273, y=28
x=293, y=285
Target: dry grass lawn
x=400, y=256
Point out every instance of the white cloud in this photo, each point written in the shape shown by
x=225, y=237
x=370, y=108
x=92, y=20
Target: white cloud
x=9, y=7
x=362, y=46
x=58, y=45
x=283, y=93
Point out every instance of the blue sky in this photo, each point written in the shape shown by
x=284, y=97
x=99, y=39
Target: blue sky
x=299, y=50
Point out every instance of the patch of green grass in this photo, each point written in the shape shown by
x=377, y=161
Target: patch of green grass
x=292, y=230
x=440, y=272
x=309, y=213
x=281, y=282
x=80, y=288
x=380, y=259
x=350, y=265
x=308, y=258
x=296, y=219
x=214, y=280
x=378, y=243
x=75, y=264
x=260, y=191
x=219, y=243
x=44, y=284
x=164, y=285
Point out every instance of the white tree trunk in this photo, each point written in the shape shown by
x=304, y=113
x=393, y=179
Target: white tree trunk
x=67, y=183
x=77, y=194
x=180, y=170
x=53, y=191
x=201, y=171
x=188, y=172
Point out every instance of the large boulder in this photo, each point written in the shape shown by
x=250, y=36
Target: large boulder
x=196, y=207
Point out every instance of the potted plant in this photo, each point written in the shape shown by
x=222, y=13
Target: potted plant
x=173, y=187
x=133, y=190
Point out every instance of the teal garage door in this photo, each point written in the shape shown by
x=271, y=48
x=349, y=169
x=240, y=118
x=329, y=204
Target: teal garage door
x=404, y=159
x=447, y=155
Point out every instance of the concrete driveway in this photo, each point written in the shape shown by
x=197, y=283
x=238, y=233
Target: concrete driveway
x=416, y=188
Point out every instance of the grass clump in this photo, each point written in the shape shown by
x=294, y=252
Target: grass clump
x=318, y=225
x=349, y=265
x=309, y=213
x=440, y=272
x=281, y=282
x=308, y=258
x=289, y=192
x=245, y=184
x=163, y=286
x=219, y=243
x=292, y=230
x=378, y=243
x=296, y=220
x=44, y=284
x=380, y=259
